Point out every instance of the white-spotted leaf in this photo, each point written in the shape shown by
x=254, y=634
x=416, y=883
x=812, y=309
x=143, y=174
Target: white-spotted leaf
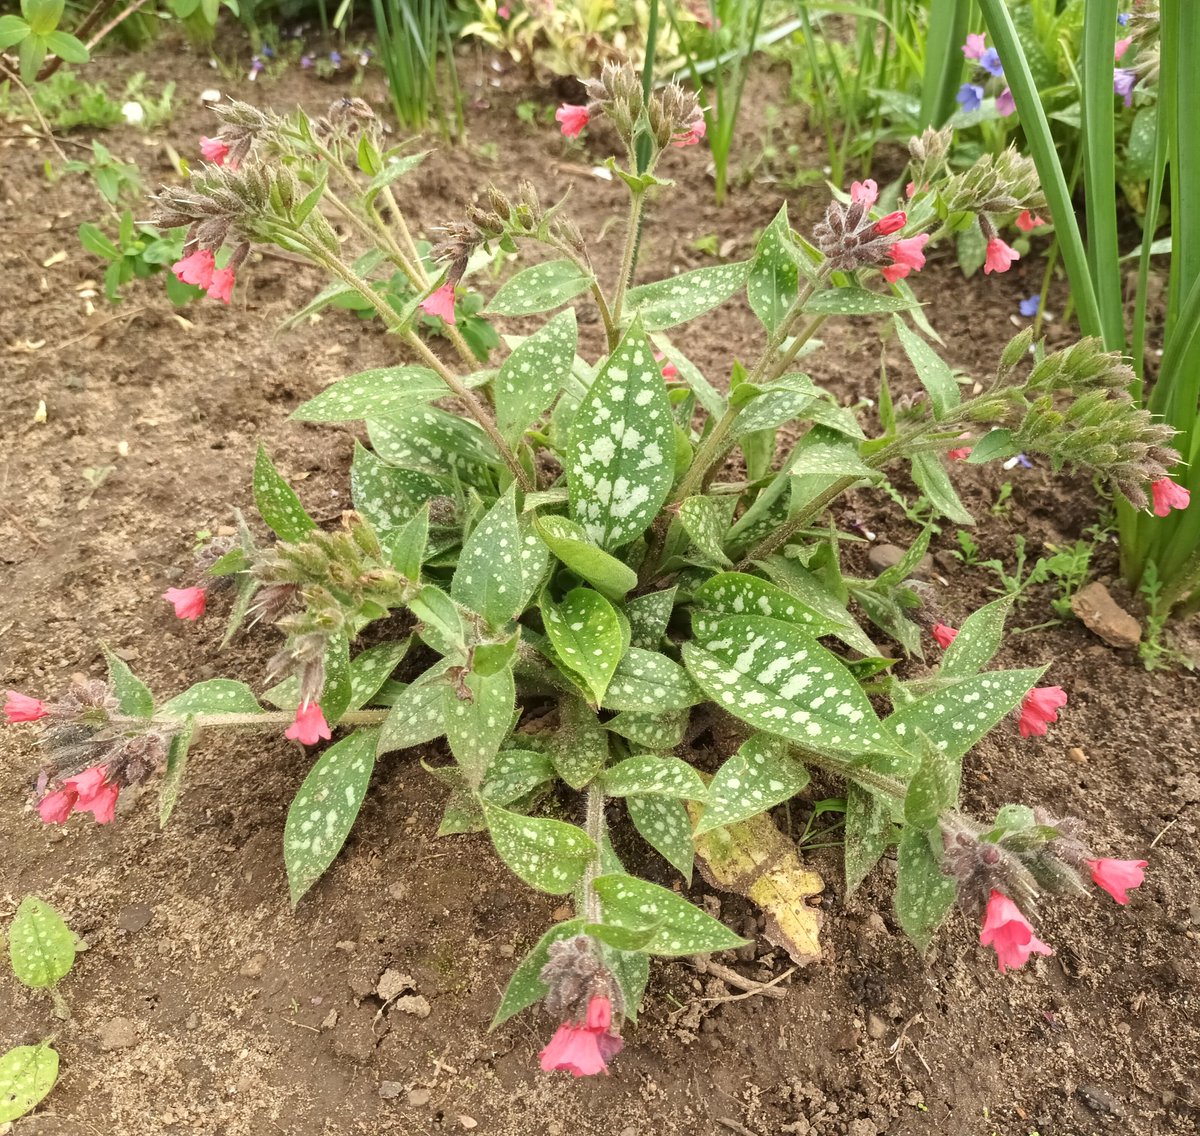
x=758, y=776
x=27, y=1074
x=540, y=288
x=649, y=616
x=431, y=441
x=172, y=782
x=924, y=893
x=533, y=374
x=372, y=394
x=854, y=302
x=658, y=731
x=547, y=854
x=416, y=716
x=678, y=299
x=706, y=521
x=868, y=833
x=579, y=747
x=277, y=502
x=651, y=775
x=526, y=985
x=489, y=579
x=932, y=370
x=213, y=696
x=586, y=633
x=40, y=944
x=736, y=593
x=647, y=680
x=476, y=725
x=515, y=772
x=774, y=278
x=978, y=639
x=666, y=827
x=681, y=927
x=371, y=668
x=388, y=495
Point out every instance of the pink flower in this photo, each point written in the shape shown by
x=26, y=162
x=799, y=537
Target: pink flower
x=960, y=453
x=669, y=371
x=196, y=268
x=221, y=287
x=1116, y=876
x=975, y=46
x=188, y=602
x=310, y=725
x=1122, y=46
x=944, y=635
x=906, y=256
x=892, y=223
x=999, y=256
x=440, y=303
x=1027, y=221
x=1040, y=707
x=1005, y=103
x=21, y=708
x=503, y=12
x=86, y=792
x=1008, y=931
x=573, y=119
x=864, y=193
x=1167, y=496
x=583, y=1050
x=692, y=135
x=214, y=150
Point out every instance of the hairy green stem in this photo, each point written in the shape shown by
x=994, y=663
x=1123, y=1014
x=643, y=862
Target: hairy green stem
x=628, y=258
x=595, y=831
x=267, y=719
x=860, y=774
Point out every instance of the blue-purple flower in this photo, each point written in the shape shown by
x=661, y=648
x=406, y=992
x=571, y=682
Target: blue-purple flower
x=267, y=51
x=1029, y=307
x=1123, y=84
x=970, y=96
x=335, y=57
x=1123, y=19
x=990, y=62
x=306, y=61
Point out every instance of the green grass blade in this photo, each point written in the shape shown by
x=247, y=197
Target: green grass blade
x=948, y=23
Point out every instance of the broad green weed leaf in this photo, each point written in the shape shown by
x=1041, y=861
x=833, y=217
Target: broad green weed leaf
x=665, y=824
x=651, y=775
x=40, y=944
x=526, y=986
x=475, y=727
x=647, y=680
x=548, y=855
x=133, y=696
x=325, y=809
x=533, y=374
x=538, y=289
x=571, y=544
x=618, y=471
x=372, y=394
x=277, y=502
x=586, y=633
x=760, y=775
x=681, y=927
x=27, y=1074
x=678, y=299
x=489, y=579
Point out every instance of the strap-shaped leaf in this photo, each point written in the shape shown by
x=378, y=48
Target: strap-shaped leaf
x=172, y=782
x=649, y=616
x=526, y=986
x=867, y=835
x=647, y=680
x=325, y=809
x=779, y=679
x=813, y=592
x=569, y=541
x=133, y=696
x=533, y=374
x=393, y=168
x=924, y=893
x=40, y=944
x=586, y=633
x=932, y=479
x=855, y=302
x=618, y=459
x=547, y=854
x=773, y=282
x=954, y=718
x=476, y=726
x=657, y=731
x=489, y=579
x=538, y=289
x=277, y=502
x=213, y=696
x=579, y=747
x=678, y=299
x=27, y=1072
x=706, y=521
x=337, y=691
x=706, y=394
x=978, y=639
x=933, y=371
x=655, y=776
x=416, y=716
x=760, y=775
x=432, y=441
x=736, y=593
x=681, y=927
x=665, y=824
x=372, y=394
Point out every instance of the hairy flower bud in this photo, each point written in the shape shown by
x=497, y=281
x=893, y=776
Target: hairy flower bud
x=575, y=974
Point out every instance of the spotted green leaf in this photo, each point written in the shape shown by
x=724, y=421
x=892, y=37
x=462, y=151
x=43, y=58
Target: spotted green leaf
x=649, y=616
x=579, y=747
x=133, y=696
x=526, y=986
x=682, y=928
x=933, y=788
x=736, y=593
x=387, y=495
x=277, y=502
x=213, y=696
x=659, y=731
x=855, y=302
x=868, y=833
x=954, y=718
x=618, y=457
x=324, y=810
x=489, y=579
x=813, y=592
x=533, y=374
x=416, y=715
x=172, y=782
x=338, y=688
x=547, y=854
x=774, y=278
x=978, y=639
x=371, y=668
x=372, y=394
x=431, y=441
x=932, y=370
x=631, y=969
x=924, y=893
x=40, y=944
x=666, y=827
x=441, y=625
x=570, y=543
x=407, y=546
x=651, y=775
x=586, y=633
x=515, y=772
x=929, y=473
x=706, y=521
x=778, y=678
x=758, y=776
x=678, y=299
x=838, y=458
x=475, y=726
x=647, y=680
x=27, y=1074
x=538, y=289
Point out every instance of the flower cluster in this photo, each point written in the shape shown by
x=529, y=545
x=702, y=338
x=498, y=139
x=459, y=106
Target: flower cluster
x=581, y=993
x=971, y=94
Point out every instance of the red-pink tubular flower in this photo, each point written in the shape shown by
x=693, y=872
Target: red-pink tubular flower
x=188, y=602
x=573, y=119
x=583, y=1050
x=1167, y=496
x=999, y=256
x=221, y=287
x=214, y=150
x=1041, y=706
x=20, y=707
x=907, y=256
x=310, y=725
x=440, y=303
x=1027, y=221
x=1122, y=46
x=1117, y=876
x=892, y=223
x=864, y=192
x=695, y=132
x=944, y=635
x=669, y=371
x=1009, y=933
x=960, y=453
x=196, y=268
x=86, y=792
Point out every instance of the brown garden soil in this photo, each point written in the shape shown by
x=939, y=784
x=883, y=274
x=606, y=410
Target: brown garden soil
x=205, y=1004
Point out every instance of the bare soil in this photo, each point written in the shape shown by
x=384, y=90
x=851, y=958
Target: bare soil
x=205, y=1004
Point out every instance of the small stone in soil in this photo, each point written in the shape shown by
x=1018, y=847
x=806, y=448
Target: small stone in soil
x=390, y=1090
x=330, y=1020
x=134, y=917
x=468, y=1122
x=1077, y=755
x=415, y=1004
x=885, y=556
x=1103, y=616
x=1099, y=1100
x=118, y=1033
x=876, y=1026
x=418, y=1098
x=392, y=982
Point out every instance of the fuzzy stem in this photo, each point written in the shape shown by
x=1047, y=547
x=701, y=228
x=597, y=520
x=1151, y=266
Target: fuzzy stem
x=860, y=774
x=267, y=719
x=632, y=236
x=595, y=831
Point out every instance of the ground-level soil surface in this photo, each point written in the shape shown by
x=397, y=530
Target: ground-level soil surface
x=205, y=1004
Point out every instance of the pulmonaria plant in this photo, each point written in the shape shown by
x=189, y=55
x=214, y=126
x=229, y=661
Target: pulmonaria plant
x=592, y=562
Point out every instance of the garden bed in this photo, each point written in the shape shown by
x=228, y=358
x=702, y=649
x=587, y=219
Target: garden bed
x=205, y=1004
